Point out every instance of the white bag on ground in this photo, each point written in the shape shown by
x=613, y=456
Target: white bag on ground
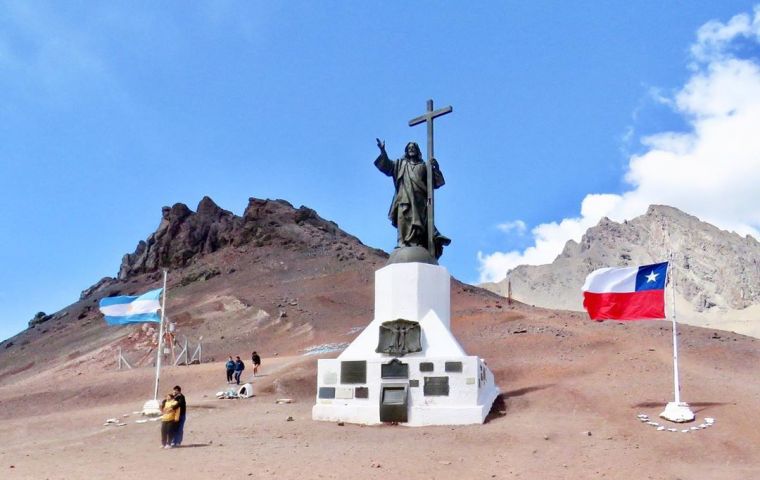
x=245, y=391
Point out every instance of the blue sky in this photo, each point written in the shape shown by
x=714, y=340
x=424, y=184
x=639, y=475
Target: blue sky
x=563, y=112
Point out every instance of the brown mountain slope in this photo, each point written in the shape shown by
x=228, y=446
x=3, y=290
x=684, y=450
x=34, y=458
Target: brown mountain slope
x=278, y=278
x=572, y=390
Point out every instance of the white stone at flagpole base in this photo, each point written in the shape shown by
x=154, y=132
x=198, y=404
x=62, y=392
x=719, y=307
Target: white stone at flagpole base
x=415, y=292
x=151, y=408
x=678, y=412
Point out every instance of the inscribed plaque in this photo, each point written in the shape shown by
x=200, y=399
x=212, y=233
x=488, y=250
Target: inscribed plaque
x=326, y=392
x=436, y=386
x=330, y=378
x=354, y=371
x=344, y=392
x=394, y=369
x=454, y=367
x=361, y=392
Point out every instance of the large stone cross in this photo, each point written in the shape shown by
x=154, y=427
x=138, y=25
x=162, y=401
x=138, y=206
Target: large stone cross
x=428, y=117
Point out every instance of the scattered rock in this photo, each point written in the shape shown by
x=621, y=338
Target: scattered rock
x=99, y=286
x=40, y=317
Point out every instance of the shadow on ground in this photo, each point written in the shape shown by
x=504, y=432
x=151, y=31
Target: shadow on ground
x=696, y=406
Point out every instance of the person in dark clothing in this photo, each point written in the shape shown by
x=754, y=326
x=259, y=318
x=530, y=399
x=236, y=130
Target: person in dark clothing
x=179, y=428
x=230, y=369
x=239, y=367
x=256, y=360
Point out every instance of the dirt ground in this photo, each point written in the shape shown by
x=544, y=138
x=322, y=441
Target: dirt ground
x=572, y=393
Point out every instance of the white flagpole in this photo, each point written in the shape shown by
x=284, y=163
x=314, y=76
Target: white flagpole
x=676, y=385
x=675, y=411
x=160, y=338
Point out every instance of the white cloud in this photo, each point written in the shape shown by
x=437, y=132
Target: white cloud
x=711, y=171
x=714, y=38
x=517, y=226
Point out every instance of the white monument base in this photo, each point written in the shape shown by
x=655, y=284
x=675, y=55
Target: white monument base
x=677, y=412
x=439, y=385
x=151, y=408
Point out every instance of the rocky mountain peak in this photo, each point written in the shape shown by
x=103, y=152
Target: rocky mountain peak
x=718, y=272
x=207, y=207
x=183, y=235
x=667, y=211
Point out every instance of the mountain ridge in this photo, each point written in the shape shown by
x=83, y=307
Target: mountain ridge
x=269, y=271
x=717, y=272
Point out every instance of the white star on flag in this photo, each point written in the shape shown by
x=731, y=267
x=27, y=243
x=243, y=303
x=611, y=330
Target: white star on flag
x=652, y=277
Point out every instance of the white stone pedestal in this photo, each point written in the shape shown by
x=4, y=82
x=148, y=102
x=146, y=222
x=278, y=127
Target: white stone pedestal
x=443, y=385
x=151, y=408
x=677, y=412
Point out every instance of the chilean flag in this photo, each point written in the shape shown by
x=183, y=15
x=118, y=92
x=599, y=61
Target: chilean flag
x=630, y=293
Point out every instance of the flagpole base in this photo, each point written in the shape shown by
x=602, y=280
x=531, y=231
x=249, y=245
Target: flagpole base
x=151, y=408
x=677, y=412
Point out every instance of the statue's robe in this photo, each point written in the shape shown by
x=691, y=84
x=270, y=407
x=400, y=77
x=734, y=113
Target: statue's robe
x=408, y=212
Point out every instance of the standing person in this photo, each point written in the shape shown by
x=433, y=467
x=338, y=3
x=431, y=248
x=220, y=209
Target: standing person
x=181, y=412
x=169, y=413
x=256, y=360
x=230, y=369
x=239, y=367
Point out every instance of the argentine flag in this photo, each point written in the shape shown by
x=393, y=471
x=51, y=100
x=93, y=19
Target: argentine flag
x=124, y=309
